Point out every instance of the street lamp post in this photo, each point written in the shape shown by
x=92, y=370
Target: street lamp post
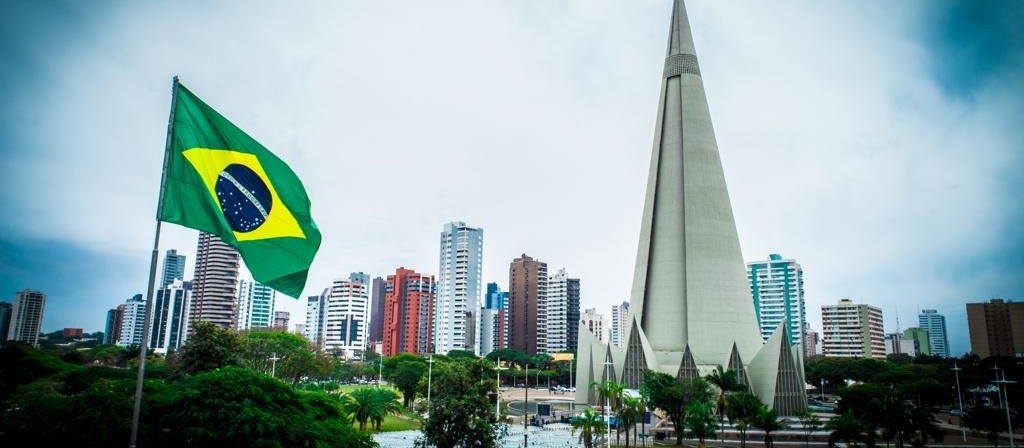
x=960, y=401
x=1001, y=380
x=497, y=392
x=573, y=402
x=607, y=403
x=430, y=377
x=380, y=370
x=526, y=406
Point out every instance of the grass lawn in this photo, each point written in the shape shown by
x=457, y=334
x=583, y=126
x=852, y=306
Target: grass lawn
x=346, y=388
x=399, y=423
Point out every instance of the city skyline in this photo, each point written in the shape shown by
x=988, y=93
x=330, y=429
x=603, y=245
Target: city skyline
x=892, y=175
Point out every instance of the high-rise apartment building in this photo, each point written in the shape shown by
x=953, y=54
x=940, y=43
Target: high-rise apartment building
x=26, y=316
x=170, y=317
x=282, y=320
x=377, y=310
x=255, y=305
x=527, y=295
x=493, y=320
x=215, y=285
x=896, y=344
x=996, y=328
x=346, y=316
x=935, y=324
x=596, y=323
x=174, y=268
x=852, y=330
x=316, y=308
x=459, y=284
x=5, y=320
x=920, y=340
x=573, y=314
x=620, y=319
x=811, y=341
x=560, y=313
x=112, y=330
x=408, y=313
x=133, y=322
x=777, y=287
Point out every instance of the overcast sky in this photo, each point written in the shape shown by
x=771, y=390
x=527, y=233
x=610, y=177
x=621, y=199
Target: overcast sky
x=878, y=143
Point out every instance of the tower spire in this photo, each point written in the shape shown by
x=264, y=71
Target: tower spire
x=680, y=39
x=690, y=284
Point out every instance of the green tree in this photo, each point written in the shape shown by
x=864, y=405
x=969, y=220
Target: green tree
x=630, y=414
x=851, y=430
x=234, y=406
x=509, y=355
x=700, y=421
x=388, y=405
x=767, y=420
x=987, y=420
x=209, y=347
x=671, y=395
x=810, y=423
x=588, y=424
x=726, y=381
x=406, y=378
x=363, y=405
x=461, y=413
x=742, y=409
x=457, y=354
x=297, y=356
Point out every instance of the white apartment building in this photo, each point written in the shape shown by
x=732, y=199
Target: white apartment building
x=26, y=317
x=596, y=323
x=777, y=287
x=556, y=314
x=133, y=322
x=255, y=305
x=459, y=286
x=346, y=318
x=170, y=317
x=316, y=306
x=620, y=329
x=852, y=330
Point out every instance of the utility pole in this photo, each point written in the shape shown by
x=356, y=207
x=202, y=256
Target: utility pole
x=526, y=407
x=1001, y=380
x=430, y=377
x=607, y=403
x=497, y=392
x=959, y=398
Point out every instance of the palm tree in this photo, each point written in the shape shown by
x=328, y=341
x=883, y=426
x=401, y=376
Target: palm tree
x=700, y=421
x=371, y=404
x=588, y=424
x=810, y=422
x=360, y=405
x=742, y=408
x=767, y=420
x=726, y=381
x=630, y=414
x=849, y=429
x=610, y=392
x=387, y=403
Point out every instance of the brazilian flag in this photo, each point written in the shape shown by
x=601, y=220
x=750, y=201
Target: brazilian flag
x=220, y=180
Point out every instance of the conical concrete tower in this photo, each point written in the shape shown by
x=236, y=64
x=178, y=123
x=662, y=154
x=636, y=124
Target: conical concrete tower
x=690, y=286
x=691, y=303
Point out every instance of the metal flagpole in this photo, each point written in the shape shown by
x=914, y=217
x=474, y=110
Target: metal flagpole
x=152, y=273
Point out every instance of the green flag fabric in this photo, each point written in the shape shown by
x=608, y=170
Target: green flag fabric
x=221, y=181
